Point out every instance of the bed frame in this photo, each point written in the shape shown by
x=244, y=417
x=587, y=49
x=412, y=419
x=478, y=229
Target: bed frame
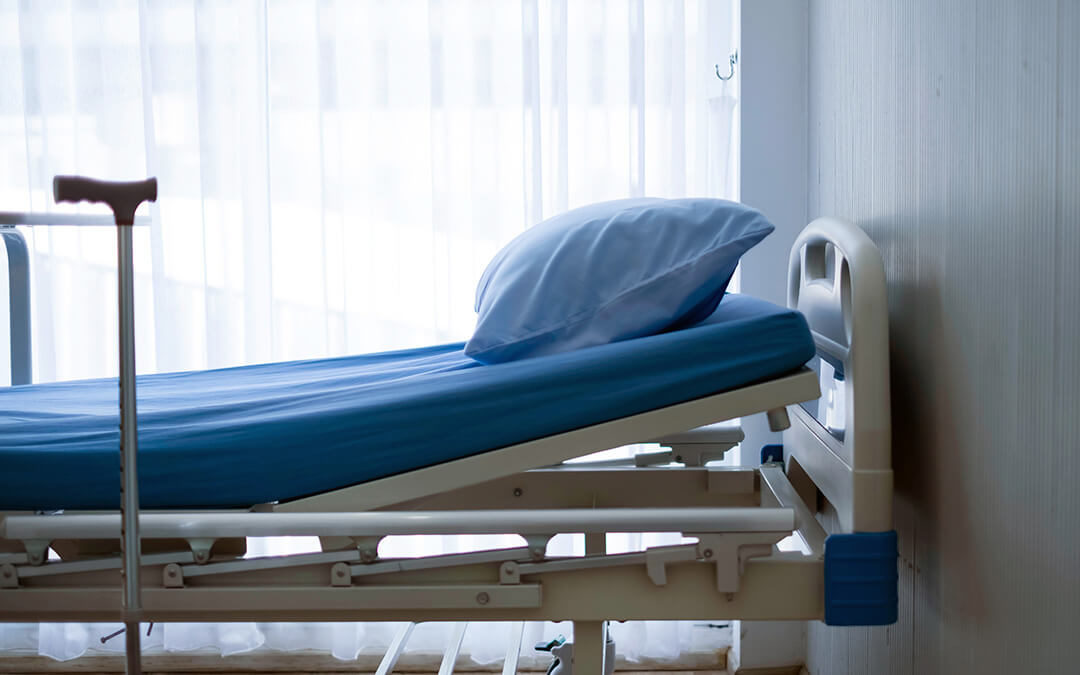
x=835, y=456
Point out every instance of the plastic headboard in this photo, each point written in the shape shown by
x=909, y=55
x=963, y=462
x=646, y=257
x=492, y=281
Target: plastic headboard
x=836, y=278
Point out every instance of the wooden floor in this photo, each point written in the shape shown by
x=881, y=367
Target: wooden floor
x=280, y=663
x=89, y=669
x=712, y=662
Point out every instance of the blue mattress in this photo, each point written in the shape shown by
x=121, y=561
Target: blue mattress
x=242, y=436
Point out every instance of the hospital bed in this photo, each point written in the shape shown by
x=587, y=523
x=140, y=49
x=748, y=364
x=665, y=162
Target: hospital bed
x=426, y=441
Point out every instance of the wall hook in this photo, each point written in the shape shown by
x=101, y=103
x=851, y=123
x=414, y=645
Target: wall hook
x=732, y=60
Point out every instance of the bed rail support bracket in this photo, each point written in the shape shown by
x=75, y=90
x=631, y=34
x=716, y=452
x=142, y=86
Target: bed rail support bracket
x=657, y=559
x=200, y=548
x=729, y=551
x=368, y=548
x=537, y=544
x=18, y=259
x=36, y=550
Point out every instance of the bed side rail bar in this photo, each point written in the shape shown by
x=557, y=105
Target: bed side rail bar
x=18, y=259
x=18, y=263
x=387, y=523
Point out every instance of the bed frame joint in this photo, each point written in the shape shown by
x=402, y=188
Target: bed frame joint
x=537, y=544
x=172, y=576
x=200, y=548
x=509, y=573
x=36, y=550
x=9, y=576
x=340, y=575
x=368, y=548
x=657, y=559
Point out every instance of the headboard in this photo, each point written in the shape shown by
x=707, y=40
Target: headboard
x=836, y=278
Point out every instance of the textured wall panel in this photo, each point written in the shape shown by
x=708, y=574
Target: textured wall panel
x=950, y=131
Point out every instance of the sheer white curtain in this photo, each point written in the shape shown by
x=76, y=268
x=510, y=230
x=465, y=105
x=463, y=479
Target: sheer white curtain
x=334, y=175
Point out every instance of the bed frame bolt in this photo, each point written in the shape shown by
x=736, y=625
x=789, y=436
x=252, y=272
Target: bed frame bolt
x=518, y=492
x=482, y=598
x=707, y=553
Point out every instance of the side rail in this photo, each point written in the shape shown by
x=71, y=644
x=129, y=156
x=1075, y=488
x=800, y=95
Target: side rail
x=18, y=287
x=18, y=281
x=836, y=278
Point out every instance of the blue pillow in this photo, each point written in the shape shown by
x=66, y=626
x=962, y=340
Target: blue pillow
x=610, y=271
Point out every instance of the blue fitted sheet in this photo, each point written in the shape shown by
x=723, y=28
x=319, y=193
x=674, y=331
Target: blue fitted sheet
x=241, y=436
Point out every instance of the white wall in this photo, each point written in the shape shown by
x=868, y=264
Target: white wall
x=773, y=153
x=773, y=178
x=950, y=131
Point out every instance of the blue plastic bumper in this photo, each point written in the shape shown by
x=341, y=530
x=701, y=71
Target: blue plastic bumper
x=861, y=579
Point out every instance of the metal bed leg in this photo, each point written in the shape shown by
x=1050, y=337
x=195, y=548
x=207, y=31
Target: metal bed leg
x=18, y=258
x=513, y=650
x=393, y=652
x=453, y=649
x=590, y=637
x=590, y=646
